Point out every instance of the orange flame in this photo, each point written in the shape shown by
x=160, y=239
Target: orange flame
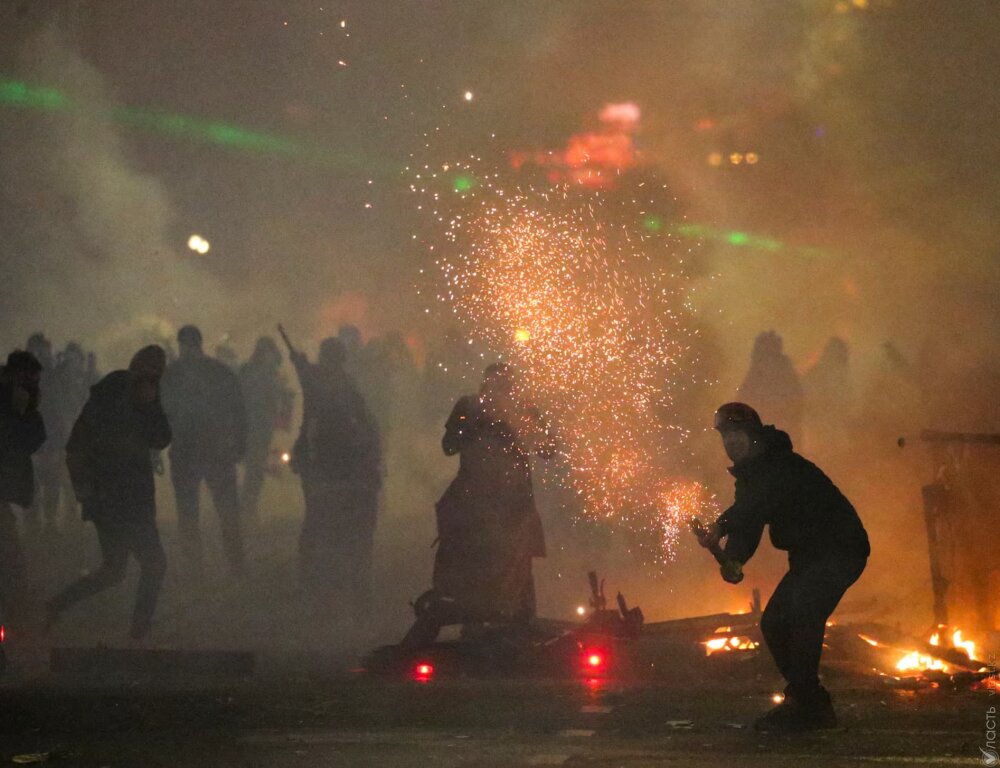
x=728, y=644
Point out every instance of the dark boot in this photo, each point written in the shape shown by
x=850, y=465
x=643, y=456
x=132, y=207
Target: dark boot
x=777, y=718
x=816, y=712
x=799, y=713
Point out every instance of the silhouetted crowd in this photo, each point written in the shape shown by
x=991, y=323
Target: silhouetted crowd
x=78, y=444
x=75, y=444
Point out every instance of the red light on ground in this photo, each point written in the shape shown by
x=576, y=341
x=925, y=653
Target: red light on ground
x=3, y=633
x=424, y=671
x=594, y=661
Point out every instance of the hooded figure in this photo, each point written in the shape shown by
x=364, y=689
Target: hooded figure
x=338, y=455
x=108, y=457
x=827, y=546
x=22, y=432
x=489, y=529
x=22, y=429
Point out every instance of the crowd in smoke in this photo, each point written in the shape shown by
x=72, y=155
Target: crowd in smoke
x=404, y=397
x=833, y=415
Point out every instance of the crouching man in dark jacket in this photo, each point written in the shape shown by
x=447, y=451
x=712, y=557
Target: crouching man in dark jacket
x=108, y=456
x=827, y=550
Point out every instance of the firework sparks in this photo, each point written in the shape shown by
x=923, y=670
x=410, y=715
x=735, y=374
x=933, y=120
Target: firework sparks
x=592, y=309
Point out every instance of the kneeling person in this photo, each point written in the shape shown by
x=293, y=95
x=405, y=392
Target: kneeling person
x=489, y=529
x=827, y=550
x=108, y=456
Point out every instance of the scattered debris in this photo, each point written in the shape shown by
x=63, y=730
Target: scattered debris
x=30, y=758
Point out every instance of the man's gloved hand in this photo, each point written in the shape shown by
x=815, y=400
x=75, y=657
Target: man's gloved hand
x=708, y=535
x=732, y=571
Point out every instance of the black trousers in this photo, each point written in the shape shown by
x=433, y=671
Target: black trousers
x=794, y=621
x=338, y=539
x=220, y=477
x=118, y=540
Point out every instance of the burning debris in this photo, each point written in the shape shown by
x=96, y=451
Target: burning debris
x=726, y=642
x=720, y=635
x=865, y=652
x=904, y=663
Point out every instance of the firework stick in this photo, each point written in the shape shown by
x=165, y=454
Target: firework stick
x=732, y=571
x=284, y=338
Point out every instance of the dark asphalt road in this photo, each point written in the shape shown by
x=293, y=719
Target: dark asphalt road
x=359, y=721
x=299, y=710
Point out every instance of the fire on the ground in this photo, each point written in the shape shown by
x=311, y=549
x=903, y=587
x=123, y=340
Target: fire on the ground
x=947, y=656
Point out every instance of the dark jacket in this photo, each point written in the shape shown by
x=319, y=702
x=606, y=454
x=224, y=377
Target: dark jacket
x=490, y=503
x=806, y=513
x=204, y=402
x=108, y=454
x=339, y=440
x=20, y=436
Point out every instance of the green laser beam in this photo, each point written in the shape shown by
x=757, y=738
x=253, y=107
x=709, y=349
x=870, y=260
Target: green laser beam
x=463, y=183
x=740, y=239
x=653, y=223
x=19, y=93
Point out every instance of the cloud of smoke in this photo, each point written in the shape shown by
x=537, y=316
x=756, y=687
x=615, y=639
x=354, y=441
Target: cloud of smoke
x=97, y=257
